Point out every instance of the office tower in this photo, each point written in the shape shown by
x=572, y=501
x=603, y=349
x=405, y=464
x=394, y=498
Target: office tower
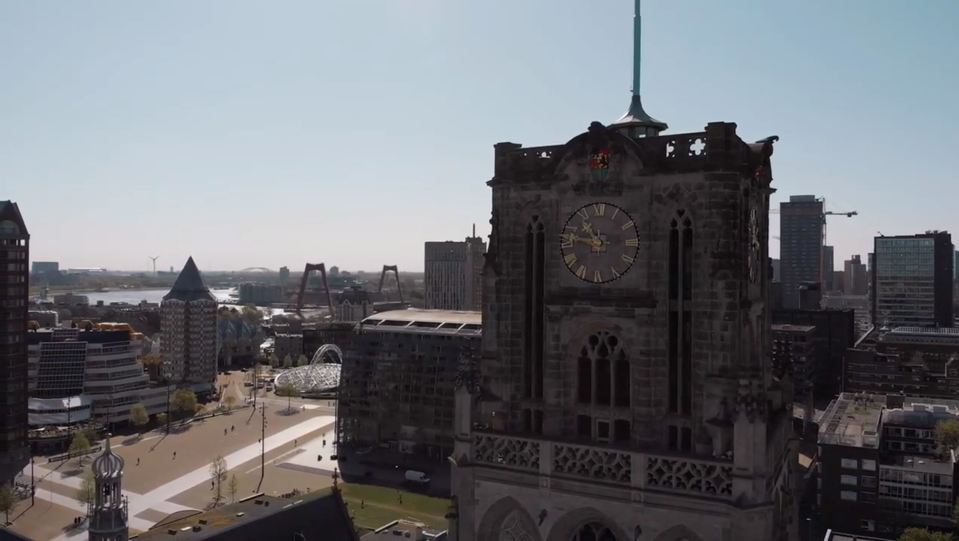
x=828, y=264
x=453, y=274
x=188, y=328
x=912, y=280
x=15, y=275
x=800, y=247
x=855, y=277
x=612, y=387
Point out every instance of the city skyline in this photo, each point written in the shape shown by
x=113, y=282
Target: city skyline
x=105, y=112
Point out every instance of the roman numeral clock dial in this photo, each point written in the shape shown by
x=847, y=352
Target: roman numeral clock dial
x=599, y=243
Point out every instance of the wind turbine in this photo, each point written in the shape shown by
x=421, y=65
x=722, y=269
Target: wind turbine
x=154, y=264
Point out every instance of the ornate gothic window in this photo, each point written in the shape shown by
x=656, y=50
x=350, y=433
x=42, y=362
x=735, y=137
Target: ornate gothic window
x=603, y=372
x=533, y=320
x=594, y=531
x=679, y=324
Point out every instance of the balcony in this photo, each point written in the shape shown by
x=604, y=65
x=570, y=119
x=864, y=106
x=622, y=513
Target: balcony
x=704, y=477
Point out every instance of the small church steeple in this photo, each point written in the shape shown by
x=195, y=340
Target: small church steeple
x=108, y=515
x=637, y=122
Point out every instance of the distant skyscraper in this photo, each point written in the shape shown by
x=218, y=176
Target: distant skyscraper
x=828, y=264
x=854, y=274
x=912, y=280
x=188, y=330
x=14, y=274
x=955, y=265
x=800, y=247
x=284, y=274
x=453, y=273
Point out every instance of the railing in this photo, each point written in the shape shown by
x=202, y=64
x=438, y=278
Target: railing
x=700, y=476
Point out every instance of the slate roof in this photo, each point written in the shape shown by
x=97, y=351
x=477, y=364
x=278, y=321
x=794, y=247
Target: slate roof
x=189, y=285
x=318, y=516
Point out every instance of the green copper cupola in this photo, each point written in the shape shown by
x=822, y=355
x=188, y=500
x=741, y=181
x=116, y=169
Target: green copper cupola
x=637, y=122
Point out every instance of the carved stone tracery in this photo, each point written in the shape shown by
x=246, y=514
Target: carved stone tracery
x=689, y=475
x=594, y=463
x=467, y=372
x=751, y=400
x=505, y=451
x=514, y=529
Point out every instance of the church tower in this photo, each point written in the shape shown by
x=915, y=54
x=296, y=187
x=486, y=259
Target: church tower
x=108, y=518
x=624, y=389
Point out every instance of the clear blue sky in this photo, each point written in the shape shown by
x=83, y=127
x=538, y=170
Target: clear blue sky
x=254, y=133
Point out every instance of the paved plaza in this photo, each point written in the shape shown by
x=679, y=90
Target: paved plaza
x=161, y=484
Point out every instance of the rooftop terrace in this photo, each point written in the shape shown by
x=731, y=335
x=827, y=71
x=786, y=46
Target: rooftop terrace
x=853, y=420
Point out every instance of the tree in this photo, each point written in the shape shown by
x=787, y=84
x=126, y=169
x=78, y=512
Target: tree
x=274, y=360
x=290, y=392
x=198, y=409
x=252, y=314
x=161, y=418
x=302, y=360
x=288, y=361
x=233, y=487
x=184, y=400
x=947, y=436
x=139, y=417
x=8, y=500
x=79, y=447
x=922, y=534
x=230, y=400
x=87, y=493
x=218, y=471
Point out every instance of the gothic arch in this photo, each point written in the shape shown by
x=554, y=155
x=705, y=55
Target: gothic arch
x=571, y=522
x=678, y=533
x=593, y=326
x=507, y=520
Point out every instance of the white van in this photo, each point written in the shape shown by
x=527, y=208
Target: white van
x=417, y=477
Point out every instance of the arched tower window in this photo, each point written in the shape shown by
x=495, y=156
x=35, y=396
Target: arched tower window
x=680, y=272
x=603, y=379
x=594, y=531
x=533, y=320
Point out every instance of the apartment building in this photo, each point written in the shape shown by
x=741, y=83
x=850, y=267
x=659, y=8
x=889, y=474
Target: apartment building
x=918, y=361
x=397, y=380
x=912, y=280
x=14, y=293
x=794, y=349
x=801, y=246
x=88, y=373
x=453, y=274
x=188, y=327
x=879, y=471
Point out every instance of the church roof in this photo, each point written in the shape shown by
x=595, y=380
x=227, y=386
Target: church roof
x=189, y=285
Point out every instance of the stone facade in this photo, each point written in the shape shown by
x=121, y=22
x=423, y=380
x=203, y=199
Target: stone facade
x=638, y=402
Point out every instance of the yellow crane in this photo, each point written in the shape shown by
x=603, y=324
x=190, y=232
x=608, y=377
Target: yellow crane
x=823, y=214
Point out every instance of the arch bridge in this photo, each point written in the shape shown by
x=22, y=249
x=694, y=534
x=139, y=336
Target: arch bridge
x=256, y=269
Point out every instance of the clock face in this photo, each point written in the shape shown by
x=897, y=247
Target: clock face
x=755, y=247
x=599, y=243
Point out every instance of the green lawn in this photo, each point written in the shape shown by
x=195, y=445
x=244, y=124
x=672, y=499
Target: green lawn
x=373, y=506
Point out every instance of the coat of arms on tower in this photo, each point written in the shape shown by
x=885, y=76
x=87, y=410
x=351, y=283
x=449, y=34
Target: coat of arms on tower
x=602, y=152
x=599, y=164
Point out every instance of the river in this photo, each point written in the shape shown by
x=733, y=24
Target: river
x=134, y=296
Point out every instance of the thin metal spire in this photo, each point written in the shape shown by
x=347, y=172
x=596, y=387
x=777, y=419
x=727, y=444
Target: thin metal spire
x=637, y=47
x=637, y=122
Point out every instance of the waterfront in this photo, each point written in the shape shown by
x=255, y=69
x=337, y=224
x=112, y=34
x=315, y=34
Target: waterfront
x=134, y=296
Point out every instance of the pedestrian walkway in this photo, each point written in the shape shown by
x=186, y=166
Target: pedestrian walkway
x=159, y=497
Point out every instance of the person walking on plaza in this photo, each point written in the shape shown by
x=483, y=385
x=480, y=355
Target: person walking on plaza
x=174, y=455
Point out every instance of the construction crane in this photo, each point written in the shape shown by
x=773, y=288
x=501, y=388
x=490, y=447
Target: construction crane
x=396, y=274
x=307, y=272
x=823, y=215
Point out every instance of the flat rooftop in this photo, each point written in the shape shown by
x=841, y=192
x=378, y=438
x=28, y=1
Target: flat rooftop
x=793, y=328
x=852, y=420
x=425, y=321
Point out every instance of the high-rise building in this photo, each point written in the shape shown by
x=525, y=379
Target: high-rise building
x=829, y=263
x=912, y=280
x=453, y=274
x=284, y=275
x=188, y=330
x=613, y=397
x=800, y=246
x=955, y=265
x=15, y=276
x=856, y=279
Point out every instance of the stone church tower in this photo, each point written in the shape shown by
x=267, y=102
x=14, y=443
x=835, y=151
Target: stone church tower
x=624, y=390
x=108, y=517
